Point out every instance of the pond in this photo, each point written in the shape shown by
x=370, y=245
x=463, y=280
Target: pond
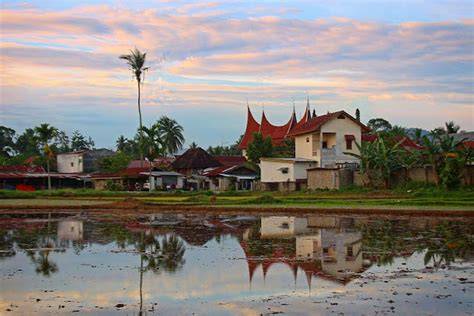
x=177, y=264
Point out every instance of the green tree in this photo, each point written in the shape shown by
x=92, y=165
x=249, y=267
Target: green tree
x=27, y=143
x=378, y=160
x=7, y=142
x=193, y=145
x=451, y=127
x=114, y=163
x=416, y=135
x=152, y=143
x=379, y=125
x=357, y=114
x=80, y=142
x=171, y=134
x=136, y=62
x=61, y=143
x=45, y=133
x=286, y=149
x=259, y=147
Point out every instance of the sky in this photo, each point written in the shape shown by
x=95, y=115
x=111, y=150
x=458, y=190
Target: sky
x=410, y=62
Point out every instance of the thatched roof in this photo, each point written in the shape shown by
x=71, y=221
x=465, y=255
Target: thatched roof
x=195, y=158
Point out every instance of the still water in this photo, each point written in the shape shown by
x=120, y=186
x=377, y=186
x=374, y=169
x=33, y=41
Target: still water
x=167, y=264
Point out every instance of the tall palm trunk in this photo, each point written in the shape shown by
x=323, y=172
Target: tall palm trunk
x=141, y=125
x=49, y=176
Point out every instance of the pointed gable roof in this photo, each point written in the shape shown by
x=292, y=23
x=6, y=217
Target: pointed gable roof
x=252, y=127
x=276, y=132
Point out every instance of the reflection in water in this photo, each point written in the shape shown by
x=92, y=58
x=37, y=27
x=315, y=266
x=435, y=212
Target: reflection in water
x=338, y=250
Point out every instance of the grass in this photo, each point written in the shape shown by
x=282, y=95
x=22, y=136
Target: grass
x=421, y=197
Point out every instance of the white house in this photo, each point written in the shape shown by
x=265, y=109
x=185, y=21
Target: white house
x=320, y=142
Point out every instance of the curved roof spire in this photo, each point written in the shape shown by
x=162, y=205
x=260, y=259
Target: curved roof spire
x=252, y=127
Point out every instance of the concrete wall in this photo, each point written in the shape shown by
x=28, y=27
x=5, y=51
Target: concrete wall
x=333, y=132
x=341, y=127
x=329, y=178
x=271, y=172
x=70, y=163
x=304, y=146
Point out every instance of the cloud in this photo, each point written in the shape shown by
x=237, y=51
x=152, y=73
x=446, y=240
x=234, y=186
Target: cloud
x=215, y=62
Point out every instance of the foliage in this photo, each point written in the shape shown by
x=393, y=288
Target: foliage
x=111, y=185
x=259, y=147
x=114, y=163
x=447, y=158
x=136, y=62
x=379, y=125
x=232, y=150
x=171, y=135
x=285, y=149
x=7, y=143
x=377, y=161
x=357, y=114
x=80, y=142
x=451, y=127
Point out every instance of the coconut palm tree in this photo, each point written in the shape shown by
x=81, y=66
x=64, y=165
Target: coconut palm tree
x=45, y=133
x=136, y=62
x=171, y=134
x=152, y=143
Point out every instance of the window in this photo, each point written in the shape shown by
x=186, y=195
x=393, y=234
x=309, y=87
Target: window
x=325, y=144
x=348, y=144
x=307, y=139
x=341, y=117
x=350, y=251
x=72, y=164
x=349, y=139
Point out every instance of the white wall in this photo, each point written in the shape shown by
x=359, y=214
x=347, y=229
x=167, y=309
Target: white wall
x=270, y=170
x=70, y=163
x=343, y=127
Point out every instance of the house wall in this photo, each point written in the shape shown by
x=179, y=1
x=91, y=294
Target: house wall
x=341, y=127
x=329, y=178
x=70, y=163
x=304, y=146
x=296, y=170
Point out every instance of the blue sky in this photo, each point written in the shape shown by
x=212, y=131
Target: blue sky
x=410, y=62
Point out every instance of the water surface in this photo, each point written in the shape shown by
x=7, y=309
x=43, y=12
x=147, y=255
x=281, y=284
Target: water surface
x=235, y=265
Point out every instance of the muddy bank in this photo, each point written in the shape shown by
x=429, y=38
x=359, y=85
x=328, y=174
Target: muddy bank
x=130, y=206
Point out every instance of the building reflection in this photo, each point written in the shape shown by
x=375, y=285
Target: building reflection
x=70, y=230
x=322, y=247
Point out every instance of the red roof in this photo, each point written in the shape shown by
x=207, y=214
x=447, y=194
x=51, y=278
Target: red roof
x=230, y=161
x=406, y=142
x=313, y=124
x=306, y=124
x=252, y=127
x=139, y=164
x=21, y=171
x=468, y=143
x=126, y=173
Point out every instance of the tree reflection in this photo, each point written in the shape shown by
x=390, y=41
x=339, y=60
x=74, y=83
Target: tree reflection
x=42, y=263
x=443, y=244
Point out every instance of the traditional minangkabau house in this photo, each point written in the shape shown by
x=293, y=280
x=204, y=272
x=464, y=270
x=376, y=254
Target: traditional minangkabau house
x=320, y=142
